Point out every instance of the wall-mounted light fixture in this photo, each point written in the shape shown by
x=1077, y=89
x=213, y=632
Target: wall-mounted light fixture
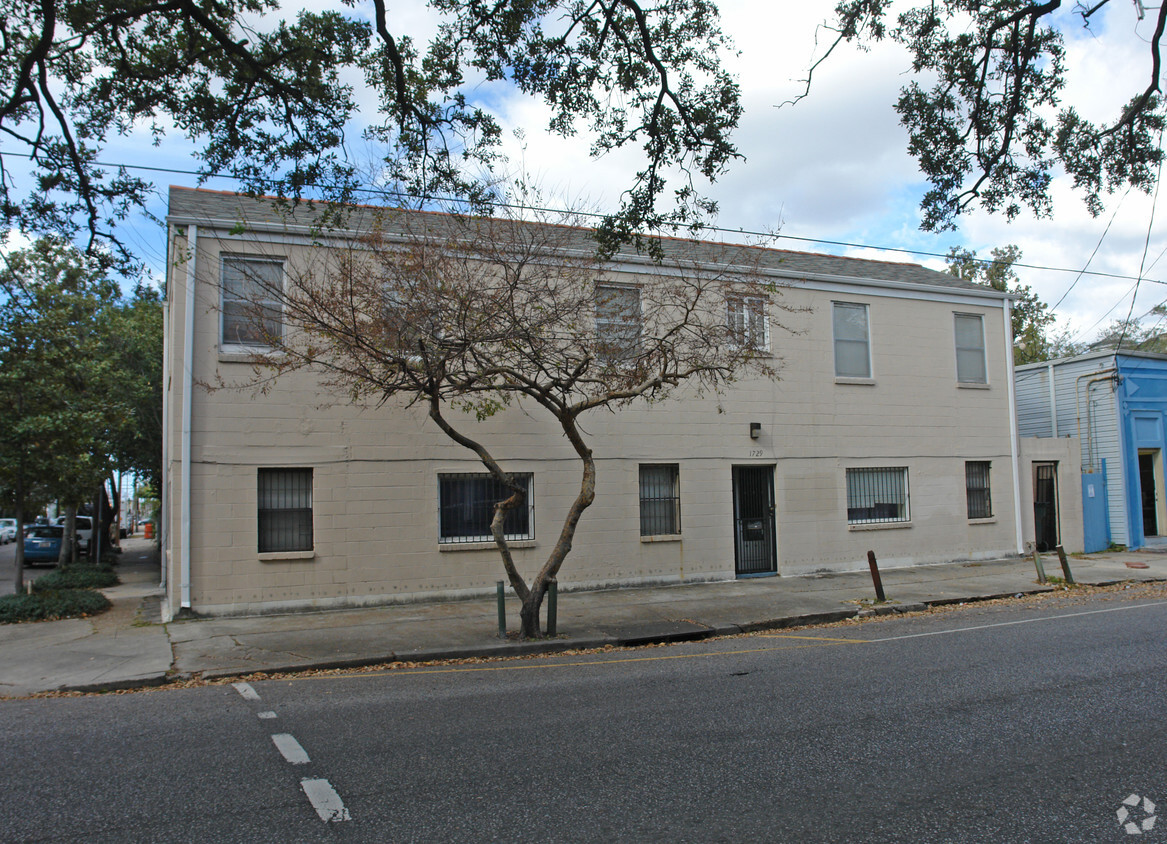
x=755, y=430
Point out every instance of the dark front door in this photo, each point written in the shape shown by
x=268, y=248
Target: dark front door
x=755, y=552
x=1150, y=502
x=1045, y=505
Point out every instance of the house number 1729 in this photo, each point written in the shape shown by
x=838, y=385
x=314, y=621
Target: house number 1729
x=755, y=452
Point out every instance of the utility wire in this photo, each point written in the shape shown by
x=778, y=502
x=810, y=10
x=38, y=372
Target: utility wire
x=1146, y=247
x=385, y=192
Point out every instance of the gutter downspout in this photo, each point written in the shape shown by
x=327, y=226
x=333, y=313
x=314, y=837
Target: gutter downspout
x=1095, y=376
x=192, y=245
x=1015, y=450
x=164, y=492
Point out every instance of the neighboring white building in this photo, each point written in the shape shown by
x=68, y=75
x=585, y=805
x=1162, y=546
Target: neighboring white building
x=891, y=429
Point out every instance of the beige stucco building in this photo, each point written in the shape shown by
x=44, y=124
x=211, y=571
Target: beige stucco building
x=891, y=429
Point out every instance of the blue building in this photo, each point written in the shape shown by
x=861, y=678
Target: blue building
x=1114, y=403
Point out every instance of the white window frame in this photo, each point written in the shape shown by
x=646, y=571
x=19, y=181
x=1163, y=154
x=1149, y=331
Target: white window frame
x=748, y=320
x=226, y=299
x=836, y=307
x=478, y=477
x=614, y=322
x=965, y=352
x=872, y=488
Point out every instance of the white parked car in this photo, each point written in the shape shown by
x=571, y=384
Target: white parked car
x=7, y=531
x=84, y=529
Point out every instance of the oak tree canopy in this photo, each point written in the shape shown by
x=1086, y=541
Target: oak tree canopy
x=272, y=102
x=983, y=110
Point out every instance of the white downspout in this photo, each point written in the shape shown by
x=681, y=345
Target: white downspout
x=192, y=245
x=1014, y=446
x=164, y=492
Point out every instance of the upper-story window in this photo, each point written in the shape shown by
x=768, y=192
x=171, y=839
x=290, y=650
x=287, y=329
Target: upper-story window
x=970, y=349
x=617, y=321
x=852, y=347
x=748, y=322
x=250, y=305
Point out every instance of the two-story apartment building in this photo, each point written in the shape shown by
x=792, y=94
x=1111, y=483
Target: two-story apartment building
x=890, y=429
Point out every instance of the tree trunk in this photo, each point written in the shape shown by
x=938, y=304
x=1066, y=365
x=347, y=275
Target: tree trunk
x=68, y=554
x=18, y=582
x=529, y=613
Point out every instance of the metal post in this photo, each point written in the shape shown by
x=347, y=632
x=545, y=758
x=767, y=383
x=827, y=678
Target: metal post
x=1041, y=578
x=552, y=606
x=1065, y=564
x=502, y=611
x=879, y=596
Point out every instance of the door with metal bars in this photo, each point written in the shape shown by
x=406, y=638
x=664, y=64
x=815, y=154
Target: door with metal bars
x=1045, y=505
x=755, y=551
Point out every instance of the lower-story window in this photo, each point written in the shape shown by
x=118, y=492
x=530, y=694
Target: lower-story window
x=877, y=495
x=466, y=508
x=285, y=510
x=976, y=485
x=660, y=500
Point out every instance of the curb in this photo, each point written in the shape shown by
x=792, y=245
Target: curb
x=649, y=633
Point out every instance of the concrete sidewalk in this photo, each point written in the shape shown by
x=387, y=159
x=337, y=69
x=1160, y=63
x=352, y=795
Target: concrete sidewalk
x=129, y=646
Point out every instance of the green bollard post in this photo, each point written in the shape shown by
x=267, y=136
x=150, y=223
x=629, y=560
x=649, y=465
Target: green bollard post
x=502, y=611
x=552, y=606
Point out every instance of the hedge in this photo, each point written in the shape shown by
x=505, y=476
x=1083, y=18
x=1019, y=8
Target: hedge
x=49, y=605
x=76, y=577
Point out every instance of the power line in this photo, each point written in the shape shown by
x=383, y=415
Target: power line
x=1146, y=246
x=386, y=192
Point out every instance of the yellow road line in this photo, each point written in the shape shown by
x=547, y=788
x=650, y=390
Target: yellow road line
x=527, y=666
x=811, y=638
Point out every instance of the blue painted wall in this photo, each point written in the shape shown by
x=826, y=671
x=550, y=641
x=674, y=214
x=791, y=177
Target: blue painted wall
x=1095, y=511
x=1142, y=406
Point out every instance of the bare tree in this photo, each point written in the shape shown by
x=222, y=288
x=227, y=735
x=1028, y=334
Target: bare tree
x=467, y=316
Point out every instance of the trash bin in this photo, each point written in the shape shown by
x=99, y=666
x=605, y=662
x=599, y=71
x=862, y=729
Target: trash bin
x=149, y=530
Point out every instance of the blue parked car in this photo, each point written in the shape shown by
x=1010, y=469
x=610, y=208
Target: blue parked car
x=43, y=544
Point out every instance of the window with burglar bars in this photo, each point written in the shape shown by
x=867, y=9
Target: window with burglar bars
x=251, y=313
x=285, y=510
x=970, y=349
x=875, y=496
x=748, y=325
x=976, y=484
x=466, y=508
x=660, y=500
x=617, y=322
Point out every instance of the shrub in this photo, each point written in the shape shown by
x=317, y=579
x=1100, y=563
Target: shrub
x=49, y=605
x=76, y=577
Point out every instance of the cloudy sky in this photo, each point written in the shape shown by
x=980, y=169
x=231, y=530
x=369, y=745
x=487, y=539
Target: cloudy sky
x=834, y=166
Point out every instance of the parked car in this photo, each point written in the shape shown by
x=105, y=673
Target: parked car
x=83, y=527
x=7, y=531
x=43, y=544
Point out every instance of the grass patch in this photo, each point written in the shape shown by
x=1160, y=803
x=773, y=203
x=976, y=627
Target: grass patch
x=49, y=605
x=76, y=577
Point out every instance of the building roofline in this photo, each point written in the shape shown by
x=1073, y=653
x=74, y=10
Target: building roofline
x=950, y=284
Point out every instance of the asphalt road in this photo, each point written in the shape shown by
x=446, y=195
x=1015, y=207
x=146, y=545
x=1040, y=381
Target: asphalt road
x=991, y=723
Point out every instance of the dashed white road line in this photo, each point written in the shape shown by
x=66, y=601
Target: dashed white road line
x=290, y=748
x=245, y=691
x=325, y=800
x=266, y=715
